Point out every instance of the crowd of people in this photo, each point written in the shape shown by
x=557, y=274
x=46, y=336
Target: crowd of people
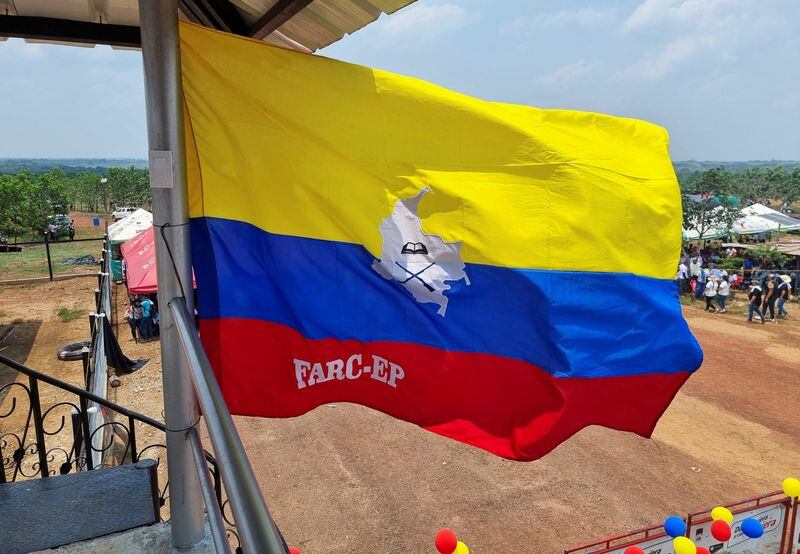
x=142, y=317
x=701, y=276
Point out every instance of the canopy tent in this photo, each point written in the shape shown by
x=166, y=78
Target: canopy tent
x=125, y=229
x=141, y=269
x=756, y=219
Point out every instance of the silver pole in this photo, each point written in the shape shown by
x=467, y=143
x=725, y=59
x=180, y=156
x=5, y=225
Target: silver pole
x=257, y=531
x=215, y=520
x=163, y=93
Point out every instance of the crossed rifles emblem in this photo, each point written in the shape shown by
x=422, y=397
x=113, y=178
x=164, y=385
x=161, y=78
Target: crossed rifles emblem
x=415, y=248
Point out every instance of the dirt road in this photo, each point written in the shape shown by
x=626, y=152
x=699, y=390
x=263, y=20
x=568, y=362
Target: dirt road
x=347, y=479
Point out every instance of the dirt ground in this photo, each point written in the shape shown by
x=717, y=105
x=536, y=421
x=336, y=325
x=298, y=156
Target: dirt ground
x=344, y=478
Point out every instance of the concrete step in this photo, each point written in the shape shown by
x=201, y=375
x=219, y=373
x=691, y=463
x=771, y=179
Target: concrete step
x=46, y=513
x=142, y=540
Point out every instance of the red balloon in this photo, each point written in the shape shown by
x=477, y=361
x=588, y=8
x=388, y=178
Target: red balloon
x=294, y=550
x=446, y=541
x=633, y=550
x=703, y=550
x=721, y=531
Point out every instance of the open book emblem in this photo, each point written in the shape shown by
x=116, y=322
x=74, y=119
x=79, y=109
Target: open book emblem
x=422, y=263
x=414, y=248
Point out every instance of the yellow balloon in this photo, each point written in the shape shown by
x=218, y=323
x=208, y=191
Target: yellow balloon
x=720, y=512
x=791, y=487
x=461, y=548
x=682, y=545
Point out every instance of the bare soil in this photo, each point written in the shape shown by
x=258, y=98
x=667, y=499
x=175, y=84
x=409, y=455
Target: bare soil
x=344, y=478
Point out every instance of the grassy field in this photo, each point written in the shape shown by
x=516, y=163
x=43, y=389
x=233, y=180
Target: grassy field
x=32, y=261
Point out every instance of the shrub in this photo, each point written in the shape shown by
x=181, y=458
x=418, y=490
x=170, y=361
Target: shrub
x=68, y=314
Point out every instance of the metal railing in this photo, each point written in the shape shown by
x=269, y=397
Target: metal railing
x=38, y=441
x=97, y=370
x=15, y=446
x=257, y=531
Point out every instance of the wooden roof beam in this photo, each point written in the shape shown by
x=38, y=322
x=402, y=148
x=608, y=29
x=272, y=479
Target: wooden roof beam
x=277, y=15
x=67, y=30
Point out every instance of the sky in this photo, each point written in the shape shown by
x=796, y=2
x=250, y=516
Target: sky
x=721, y=75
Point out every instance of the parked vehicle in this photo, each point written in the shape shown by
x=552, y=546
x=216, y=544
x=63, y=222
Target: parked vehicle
x=61, y=223
x=121, y=212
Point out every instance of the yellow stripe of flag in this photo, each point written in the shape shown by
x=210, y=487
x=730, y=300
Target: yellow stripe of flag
x=303, y=145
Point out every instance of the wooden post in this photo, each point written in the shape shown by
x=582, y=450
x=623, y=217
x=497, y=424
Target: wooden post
x=47, y=247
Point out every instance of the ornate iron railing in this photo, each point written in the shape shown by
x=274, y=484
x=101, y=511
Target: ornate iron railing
x=39, y=441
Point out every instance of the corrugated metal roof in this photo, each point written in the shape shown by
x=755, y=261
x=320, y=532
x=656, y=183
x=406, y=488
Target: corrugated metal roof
x=319, y=24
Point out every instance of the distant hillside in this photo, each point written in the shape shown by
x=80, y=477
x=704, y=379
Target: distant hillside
x=99, y=165
x=67, y=165
x=694, y=165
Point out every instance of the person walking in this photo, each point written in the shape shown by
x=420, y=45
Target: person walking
x=723, y=290
x=137, y=315
x=132, y=322
x=784, y=292
x=755, y=303
x=710, y=293
x=147, y=318
x=747, y=270
x=695, y=271
x=71, y=229
x=682, y=277
x=770, y=296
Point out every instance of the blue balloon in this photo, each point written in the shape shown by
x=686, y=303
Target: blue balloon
x=752, y=528
x=674, y=527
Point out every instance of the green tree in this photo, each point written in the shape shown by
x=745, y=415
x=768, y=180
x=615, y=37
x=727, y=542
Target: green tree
x=128, y=186
x=83, y=190
x=752, y=185
x=709, y=202
x=768, y=256
x=12, y=199
x=44, y=195
x=790, y=187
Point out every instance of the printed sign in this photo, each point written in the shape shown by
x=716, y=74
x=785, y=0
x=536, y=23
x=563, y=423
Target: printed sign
x=771, y=517
x=660, y=545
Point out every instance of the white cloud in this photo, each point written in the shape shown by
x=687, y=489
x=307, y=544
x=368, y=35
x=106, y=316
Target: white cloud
x=566, y=75
x=583, y=17
x=657, y=66
x=729, y=26
x=423, y=22
x=16, y=47
x=704, y=13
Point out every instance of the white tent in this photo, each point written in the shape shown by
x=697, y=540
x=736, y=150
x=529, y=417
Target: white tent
x=127, y=228
x=758, y=218
x=755, y=219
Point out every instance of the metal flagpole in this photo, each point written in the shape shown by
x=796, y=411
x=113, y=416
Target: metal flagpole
x=165, y=133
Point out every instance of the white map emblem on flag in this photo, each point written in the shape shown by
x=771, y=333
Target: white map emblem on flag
x=422, y=263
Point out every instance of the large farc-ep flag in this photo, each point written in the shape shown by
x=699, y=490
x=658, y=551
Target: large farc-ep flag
x=494, y=273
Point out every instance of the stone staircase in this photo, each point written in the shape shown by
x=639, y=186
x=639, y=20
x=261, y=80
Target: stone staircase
x=45, y=513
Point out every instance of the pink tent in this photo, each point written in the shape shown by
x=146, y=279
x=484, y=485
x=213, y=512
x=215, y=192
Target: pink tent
x=139, y=254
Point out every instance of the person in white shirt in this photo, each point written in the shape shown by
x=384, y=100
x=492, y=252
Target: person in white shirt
x=710, y=293
x=723, y=290
x=682, y=277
